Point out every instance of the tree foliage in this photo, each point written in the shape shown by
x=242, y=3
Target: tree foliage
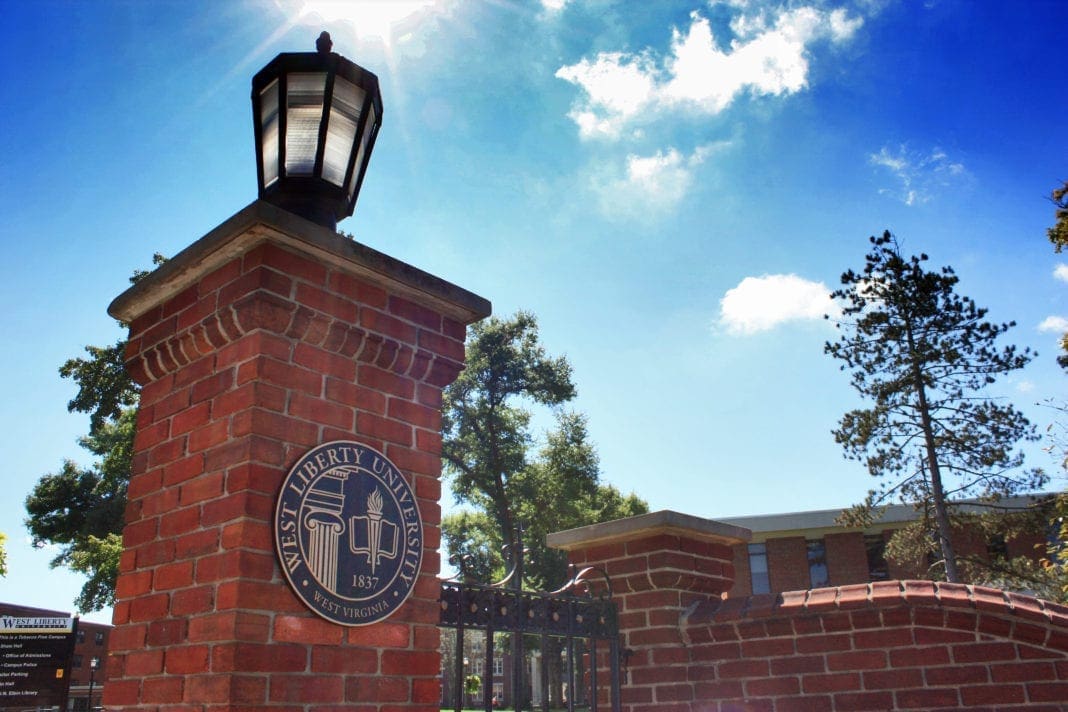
x=1058, y=234
x=81, y=509
x=498, y=469
x=923, y=356
x=1056, y=560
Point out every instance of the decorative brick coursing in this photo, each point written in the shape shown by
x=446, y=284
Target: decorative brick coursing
x=265, y=356
x=257, y=294
x=885, y=645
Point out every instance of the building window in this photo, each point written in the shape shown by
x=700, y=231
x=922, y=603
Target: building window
x=76, y=661
x=498, y=692
x=758, y=569
x=997, y=547
x=817, y=564
x=479, y=665
x=99, y=637
x=81, y=635
x=875, y=546
x=498, y=665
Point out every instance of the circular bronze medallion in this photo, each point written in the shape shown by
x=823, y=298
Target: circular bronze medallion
x=348, y=533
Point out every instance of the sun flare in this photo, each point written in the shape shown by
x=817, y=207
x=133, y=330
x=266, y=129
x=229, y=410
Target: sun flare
x=380, y=19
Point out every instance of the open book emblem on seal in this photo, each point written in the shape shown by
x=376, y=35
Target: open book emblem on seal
x=349, y=533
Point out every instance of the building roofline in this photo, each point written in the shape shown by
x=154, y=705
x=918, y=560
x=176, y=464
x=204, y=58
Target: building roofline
x=895, y=515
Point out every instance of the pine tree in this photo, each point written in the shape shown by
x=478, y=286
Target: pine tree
x=924, y=355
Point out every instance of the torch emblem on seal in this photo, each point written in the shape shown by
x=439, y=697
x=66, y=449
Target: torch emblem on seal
x=373, y=536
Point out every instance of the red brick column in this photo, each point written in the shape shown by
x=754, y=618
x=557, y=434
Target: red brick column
x=268, y=336
x=660, y=565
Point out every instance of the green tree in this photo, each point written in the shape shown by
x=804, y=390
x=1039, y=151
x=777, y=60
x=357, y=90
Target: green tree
x=509, y=479
x=1058, y=235
x=923, y=355
x=81, y=509
x=1057, y=552
x=498, y=469
x=1056, y=561
x=3, y=555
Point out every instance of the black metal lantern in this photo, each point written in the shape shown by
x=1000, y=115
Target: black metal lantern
x=316, y=117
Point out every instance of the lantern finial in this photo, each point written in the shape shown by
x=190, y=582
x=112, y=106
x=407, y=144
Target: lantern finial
x=324, y=44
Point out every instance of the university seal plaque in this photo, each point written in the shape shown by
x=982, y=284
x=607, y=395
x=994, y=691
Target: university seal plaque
x=348, y=532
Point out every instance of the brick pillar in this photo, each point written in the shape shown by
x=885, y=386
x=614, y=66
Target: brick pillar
x=660, y=565
x=265, y=338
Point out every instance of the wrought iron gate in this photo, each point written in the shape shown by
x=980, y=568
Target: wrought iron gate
x=583, y=623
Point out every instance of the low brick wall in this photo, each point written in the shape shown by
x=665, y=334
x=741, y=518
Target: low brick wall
x=891, y=645
x=881, y=646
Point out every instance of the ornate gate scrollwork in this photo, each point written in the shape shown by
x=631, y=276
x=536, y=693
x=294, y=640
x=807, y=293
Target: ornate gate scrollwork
x=584, y=622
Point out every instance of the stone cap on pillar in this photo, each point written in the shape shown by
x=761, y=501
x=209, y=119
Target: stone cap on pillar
x=262, y=222
x=648, y=525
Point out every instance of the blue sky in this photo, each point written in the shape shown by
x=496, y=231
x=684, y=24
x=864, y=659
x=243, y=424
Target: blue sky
x=672, y=187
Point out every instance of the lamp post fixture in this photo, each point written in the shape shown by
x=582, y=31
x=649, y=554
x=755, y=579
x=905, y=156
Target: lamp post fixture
x=93, y=662
x=316, y=116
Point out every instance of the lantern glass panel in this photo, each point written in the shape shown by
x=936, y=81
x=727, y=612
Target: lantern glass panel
x=341, y=131
x=269, y=132
x=304, y=114
x=362, y=151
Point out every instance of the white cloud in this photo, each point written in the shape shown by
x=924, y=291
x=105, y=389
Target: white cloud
x=646, y=186
x=919, y=175
x=843, y=27
x=763, y=303
x=1061, y=272
x=768, y=56
x=620, y=85
x=1025, y=386
x=1056, y=324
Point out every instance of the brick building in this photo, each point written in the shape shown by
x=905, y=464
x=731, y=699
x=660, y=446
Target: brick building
x=89, y=661
x=805, y=550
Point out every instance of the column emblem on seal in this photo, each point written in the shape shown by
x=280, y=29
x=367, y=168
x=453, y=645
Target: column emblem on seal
x=348, y=533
